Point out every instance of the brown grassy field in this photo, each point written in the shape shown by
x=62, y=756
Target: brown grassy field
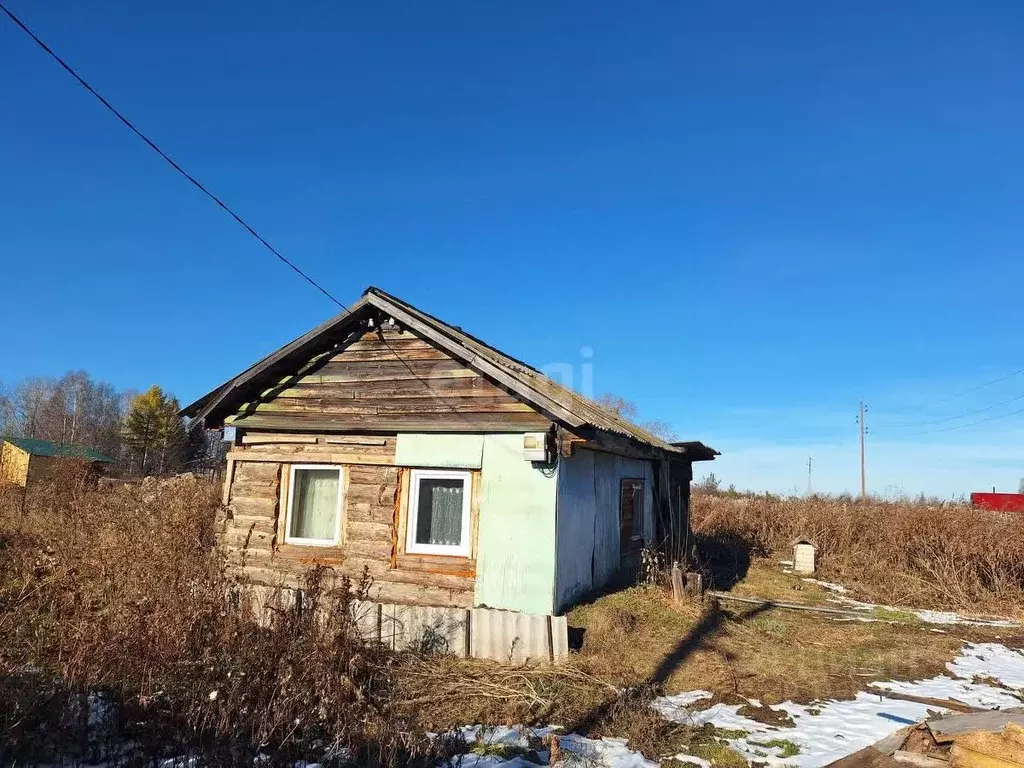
x=120, y=594
x=949, y=556
x=117, y=599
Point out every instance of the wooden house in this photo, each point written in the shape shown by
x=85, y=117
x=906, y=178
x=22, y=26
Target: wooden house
x=25, y=461
x=458, y=476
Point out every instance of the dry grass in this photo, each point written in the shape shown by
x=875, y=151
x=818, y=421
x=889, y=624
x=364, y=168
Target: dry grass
x=933, y=556
x=118, y=600
x=773, y=655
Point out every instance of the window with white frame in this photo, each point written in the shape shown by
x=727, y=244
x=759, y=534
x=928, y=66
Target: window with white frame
x=314, y=505
x=438, y=521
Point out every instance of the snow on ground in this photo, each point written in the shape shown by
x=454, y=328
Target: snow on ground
x=828, y=730
x=927, y=616
x=838, y=588
x=606, y=752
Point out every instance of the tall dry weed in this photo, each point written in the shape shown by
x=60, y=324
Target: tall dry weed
x=119, y=624
x=930, y=555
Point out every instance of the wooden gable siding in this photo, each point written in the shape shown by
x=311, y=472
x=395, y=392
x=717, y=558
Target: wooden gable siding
x=363, y=387
x=252, y=531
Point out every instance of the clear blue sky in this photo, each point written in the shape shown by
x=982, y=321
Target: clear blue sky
x=754, y=213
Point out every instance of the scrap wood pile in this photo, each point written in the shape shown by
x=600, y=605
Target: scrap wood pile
x=973, y=740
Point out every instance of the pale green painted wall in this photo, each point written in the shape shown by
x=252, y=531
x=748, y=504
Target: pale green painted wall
x=432, y=450
x=516, y=541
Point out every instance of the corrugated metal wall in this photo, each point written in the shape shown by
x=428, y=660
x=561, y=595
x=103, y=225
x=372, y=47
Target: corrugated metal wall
x=588, y=520
x=483, y=633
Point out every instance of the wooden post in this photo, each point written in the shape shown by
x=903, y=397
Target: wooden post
x=678, y=589
x=694, y=585
x=863, y=474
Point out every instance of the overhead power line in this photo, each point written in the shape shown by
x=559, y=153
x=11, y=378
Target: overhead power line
x=153, y=145
x=961, y=394
x=963, y=415
x=969, y=424
x=202, y=188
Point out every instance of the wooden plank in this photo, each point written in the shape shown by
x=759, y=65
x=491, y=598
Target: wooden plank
x=506, y=422
x=956, y=706
x=229, y=474
x=869, y=757
x=338, y=370
x=261, y=438
x=315, y=457
x=918, y=760
x=453, y=405
x=355, y=440
x=320, y=405
x=483, y=365
x=986, y=750
x=787, y=606
x=944, y=729
x=384, y=354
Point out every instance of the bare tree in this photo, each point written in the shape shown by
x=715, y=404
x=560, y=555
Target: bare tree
x=626, y=410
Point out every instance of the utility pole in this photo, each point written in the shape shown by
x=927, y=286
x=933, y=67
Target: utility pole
x=809, y=462
x=863, y=475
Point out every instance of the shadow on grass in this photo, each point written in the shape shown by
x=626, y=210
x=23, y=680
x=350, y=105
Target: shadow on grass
x=701, y=634
x=723, y=558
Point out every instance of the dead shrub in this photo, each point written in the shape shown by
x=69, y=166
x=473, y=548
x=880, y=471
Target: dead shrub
x=118, y=626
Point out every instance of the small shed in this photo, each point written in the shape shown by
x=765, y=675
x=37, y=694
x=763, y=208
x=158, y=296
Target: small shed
x=804, y=551
x=24, y=460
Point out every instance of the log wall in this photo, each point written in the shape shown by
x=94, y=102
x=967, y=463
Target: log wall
x=253, y=526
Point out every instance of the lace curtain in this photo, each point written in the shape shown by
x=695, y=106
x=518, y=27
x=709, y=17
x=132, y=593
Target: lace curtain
x=439, y=517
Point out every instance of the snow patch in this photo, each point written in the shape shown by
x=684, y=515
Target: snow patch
x=839, y=588
x=828, y=730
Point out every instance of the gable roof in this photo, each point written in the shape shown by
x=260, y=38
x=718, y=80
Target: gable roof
x=35, y=447
x=521, y=380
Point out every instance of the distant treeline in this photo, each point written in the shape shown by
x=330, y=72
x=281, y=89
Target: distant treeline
x=141, y=432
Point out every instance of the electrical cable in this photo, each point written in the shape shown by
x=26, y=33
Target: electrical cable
x=201, y=187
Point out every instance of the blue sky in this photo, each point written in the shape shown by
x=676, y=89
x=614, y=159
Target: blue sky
x=755, y=214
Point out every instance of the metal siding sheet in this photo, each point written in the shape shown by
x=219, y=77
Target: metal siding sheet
x=576, y=524
x=559, y=638
x=510, y=636
x=516, y=538
x=588, y=519
x=424, y=628
x=440, y=450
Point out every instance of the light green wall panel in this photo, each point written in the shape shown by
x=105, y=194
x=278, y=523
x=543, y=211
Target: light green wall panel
x=451, y=451
x=516, y=540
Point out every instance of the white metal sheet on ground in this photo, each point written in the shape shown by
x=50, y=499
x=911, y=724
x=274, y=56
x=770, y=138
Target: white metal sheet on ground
x=509, y=636
x=424, y=628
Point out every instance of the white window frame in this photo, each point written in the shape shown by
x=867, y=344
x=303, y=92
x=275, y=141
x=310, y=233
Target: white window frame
x=411, y=545
x=288, y=538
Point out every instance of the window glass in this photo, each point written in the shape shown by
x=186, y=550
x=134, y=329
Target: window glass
x=439, y=516
x=314, y=513
x=631, y=515
x=439, y=513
